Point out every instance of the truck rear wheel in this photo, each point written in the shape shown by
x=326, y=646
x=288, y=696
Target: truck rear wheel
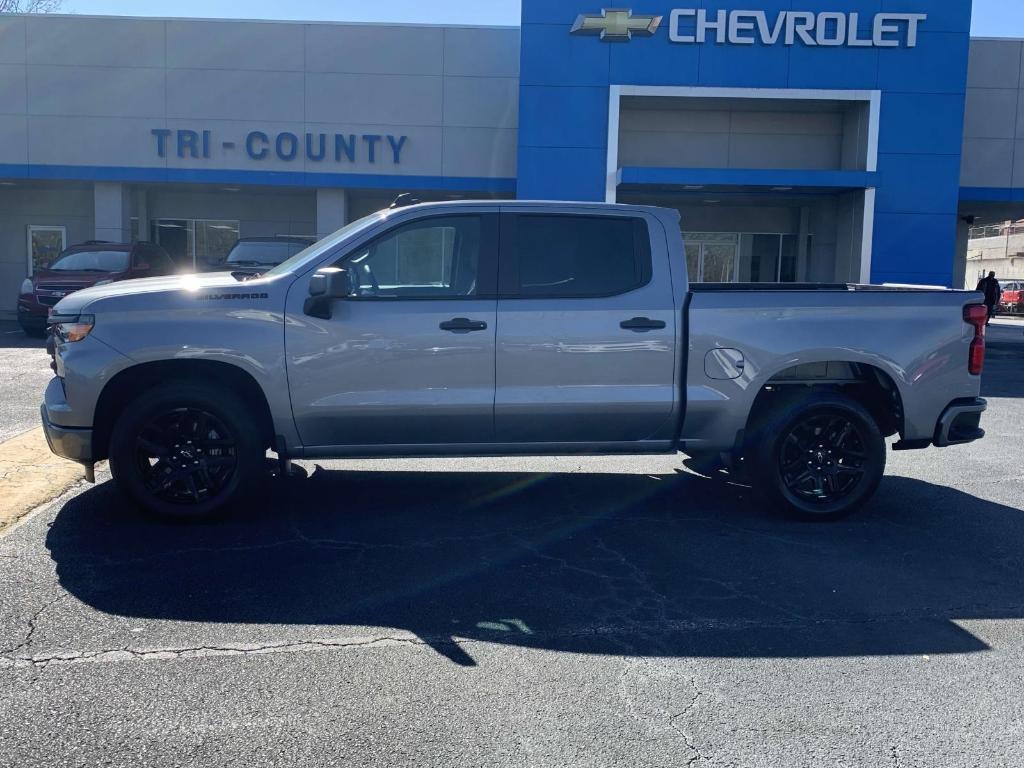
x=821, y=456
x=186, y=451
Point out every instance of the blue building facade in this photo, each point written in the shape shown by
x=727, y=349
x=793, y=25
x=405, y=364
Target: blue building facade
x=901, y=64
x=800, y=140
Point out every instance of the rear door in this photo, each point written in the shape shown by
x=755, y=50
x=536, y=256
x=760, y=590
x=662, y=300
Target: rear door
x=587, y=323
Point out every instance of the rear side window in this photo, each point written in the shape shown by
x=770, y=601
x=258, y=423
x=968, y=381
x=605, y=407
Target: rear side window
x=568, y=256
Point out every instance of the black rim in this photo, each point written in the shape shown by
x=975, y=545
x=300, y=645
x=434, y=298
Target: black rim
x=186, y=456
x=823, y=458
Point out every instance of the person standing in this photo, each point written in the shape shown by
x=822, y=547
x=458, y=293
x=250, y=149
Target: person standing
x=993, y=292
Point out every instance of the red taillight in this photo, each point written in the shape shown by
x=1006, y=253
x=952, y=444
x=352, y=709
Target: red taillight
x=977, y=316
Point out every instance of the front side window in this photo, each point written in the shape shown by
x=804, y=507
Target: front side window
x=577, y=256
x=435, y=258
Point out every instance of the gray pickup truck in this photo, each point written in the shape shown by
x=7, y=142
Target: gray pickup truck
x=506, y=328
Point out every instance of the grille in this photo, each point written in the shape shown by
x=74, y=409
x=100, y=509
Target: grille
x=58, y=287
x=48, y=301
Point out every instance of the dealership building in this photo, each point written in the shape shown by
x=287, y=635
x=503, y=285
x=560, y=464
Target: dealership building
x=849, y=140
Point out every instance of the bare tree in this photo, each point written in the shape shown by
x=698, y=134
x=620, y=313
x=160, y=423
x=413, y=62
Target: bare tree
x=30, y=6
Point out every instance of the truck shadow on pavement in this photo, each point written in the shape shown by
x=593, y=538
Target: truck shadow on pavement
x=589, y=563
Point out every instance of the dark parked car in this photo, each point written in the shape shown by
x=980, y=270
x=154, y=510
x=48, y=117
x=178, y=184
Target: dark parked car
x=257, y=255
x=83, y=266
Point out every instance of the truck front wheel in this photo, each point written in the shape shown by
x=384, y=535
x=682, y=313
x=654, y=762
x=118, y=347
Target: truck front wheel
x=186, y=451
x=821, y=456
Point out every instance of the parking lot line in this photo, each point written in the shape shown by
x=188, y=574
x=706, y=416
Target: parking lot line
x=30, y=475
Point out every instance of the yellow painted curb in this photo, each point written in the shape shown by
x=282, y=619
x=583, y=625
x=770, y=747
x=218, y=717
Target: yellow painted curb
x=30, y=475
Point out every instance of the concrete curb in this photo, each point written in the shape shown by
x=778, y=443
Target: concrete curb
x=30, y=476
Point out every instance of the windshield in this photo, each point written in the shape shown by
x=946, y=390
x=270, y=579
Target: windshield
x=264, y=253
x=326, y=244
x=92, y=261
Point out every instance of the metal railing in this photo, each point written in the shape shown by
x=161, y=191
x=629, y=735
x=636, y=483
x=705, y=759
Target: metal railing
x=1006, y=229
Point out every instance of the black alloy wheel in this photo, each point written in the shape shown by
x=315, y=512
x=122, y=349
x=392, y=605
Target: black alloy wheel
x=186, y=456
x=822, y=458
x=817, y=456
x=188, y=451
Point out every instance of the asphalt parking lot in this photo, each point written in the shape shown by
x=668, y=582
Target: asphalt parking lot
x=24, y=371
x=536, y=612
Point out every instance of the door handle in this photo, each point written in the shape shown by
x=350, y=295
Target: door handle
x=463, y=325
x=641, y=324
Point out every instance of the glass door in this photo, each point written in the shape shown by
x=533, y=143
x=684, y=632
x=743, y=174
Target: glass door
x=712, y=257
x=196, y=243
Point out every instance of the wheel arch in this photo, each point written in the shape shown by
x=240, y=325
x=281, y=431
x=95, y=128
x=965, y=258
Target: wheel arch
x=871, y=386
x=124, y=386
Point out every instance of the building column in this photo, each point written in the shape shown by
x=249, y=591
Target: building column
x=112, y=211
x=331, y=211
x=963, y=234
x=803, y=256
x=141, y=211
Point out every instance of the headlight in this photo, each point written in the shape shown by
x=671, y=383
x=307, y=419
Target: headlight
x=26, y=288
x=72, y=328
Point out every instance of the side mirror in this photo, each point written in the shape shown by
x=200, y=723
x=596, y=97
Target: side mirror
x=324, y=287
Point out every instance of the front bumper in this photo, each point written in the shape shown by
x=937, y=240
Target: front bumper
x=67, y=442
x=960, y=423
x=33, y=318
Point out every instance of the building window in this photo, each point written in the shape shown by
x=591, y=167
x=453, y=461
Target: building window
x=712, y=257
x=45, y=244
x=195, y=243
x=730, y=257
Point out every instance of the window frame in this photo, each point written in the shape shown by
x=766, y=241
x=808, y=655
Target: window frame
x=487, y=261
x=33, y=228
x=508, y=260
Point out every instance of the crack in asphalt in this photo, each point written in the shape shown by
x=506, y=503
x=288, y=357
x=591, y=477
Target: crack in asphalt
x=127, y=653
x=697, y=754
x=619, y=633
x=32, y=624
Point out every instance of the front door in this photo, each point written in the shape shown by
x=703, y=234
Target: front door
x=587, y=328
x=408, y=359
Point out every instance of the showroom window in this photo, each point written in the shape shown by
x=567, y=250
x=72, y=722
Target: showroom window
x=712, y=257
x=45, y=244
x=731, y=257
x=195, y=243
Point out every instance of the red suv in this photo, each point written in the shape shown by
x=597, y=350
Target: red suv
x=83, y=266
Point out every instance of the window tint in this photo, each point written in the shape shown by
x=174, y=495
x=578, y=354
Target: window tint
x=435, y=258
x=578, y=256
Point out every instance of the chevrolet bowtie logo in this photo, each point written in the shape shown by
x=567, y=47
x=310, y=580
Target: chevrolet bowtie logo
x=616, y=25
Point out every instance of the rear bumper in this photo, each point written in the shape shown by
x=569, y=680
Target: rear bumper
x=960, y=423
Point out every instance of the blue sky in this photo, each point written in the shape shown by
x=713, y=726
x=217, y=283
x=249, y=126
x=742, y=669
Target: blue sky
x=994, y=18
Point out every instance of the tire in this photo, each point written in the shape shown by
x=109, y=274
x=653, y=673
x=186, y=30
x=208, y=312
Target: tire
x=33, y=331
x=187, y=451
x=820, y=456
